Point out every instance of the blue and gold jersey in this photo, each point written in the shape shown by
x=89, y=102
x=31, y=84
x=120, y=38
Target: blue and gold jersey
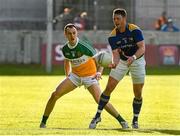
x=126, y=41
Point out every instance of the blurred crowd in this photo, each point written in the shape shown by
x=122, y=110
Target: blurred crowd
x=81, y=20
x=166, y=24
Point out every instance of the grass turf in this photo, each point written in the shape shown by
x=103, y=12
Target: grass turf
x=23, y=99
x=34, y=69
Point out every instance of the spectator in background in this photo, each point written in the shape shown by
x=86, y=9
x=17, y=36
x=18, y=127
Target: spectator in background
x=87, y=21
x=66, y=17
x=161, y=21
x=79, y=22
x=82, y=21
x=169, y=26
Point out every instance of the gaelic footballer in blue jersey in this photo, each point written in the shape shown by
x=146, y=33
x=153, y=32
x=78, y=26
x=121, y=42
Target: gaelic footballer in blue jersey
x=128, y=48
x=126, y=42
x=80, y=68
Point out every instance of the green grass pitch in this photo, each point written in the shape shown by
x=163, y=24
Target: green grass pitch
x=23, y=99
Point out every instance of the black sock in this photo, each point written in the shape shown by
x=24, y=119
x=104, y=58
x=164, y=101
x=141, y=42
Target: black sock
x=102, y=103
x=137, y=103
x=120, y=119
x=44, y=119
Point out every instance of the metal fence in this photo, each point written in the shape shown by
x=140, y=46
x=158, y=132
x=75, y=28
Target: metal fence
x=23, y=14
x=99, y=12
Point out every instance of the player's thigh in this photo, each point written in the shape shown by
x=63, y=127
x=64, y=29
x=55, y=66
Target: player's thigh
x=115, y=76
x=89, y=81
x=95, y=91
x=137, y=71
x=120, y=71
x=64, y=87
x=76, y=80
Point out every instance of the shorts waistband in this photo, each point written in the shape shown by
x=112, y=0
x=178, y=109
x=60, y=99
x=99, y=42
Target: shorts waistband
x=125, y=58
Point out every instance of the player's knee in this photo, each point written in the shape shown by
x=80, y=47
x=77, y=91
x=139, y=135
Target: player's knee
x=97, y=99
x=108, y=90
x=138, y=94
x=138, y=90
x=110, y=86
x=55, y=96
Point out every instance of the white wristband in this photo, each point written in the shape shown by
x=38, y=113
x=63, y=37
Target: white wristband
x=134, y=56
x=98, y=73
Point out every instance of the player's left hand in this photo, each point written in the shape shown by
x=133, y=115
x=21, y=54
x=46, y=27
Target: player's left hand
x=98, y=76
x=130, y=60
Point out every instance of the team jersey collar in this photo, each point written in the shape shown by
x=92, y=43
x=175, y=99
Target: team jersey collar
x=72, y=47
x=118, y=32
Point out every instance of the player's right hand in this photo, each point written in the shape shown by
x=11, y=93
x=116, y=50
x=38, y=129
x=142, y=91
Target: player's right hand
x=97, y=76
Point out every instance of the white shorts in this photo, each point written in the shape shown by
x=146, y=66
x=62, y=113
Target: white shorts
x=86, y=81
x=136, y=70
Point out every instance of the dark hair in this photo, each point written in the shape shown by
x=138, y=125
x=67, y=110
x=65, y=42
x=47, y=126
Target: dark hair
x=120, y=11
x=70, y=25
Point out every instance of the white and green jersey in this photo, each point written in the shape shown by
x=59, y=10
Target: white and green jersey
x=81, y=58
x=78, y=54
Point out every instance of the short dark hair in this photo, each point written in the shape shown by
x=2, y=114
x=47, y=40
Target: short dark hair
x=70, y=25
x=120, y=11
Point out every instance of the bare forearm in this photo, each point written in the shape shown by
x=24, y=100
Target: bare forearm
x=67, y=71
x=67, y=67
x=116, y=57
x=141, y=50
x=100, y=69
x=139, y=53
